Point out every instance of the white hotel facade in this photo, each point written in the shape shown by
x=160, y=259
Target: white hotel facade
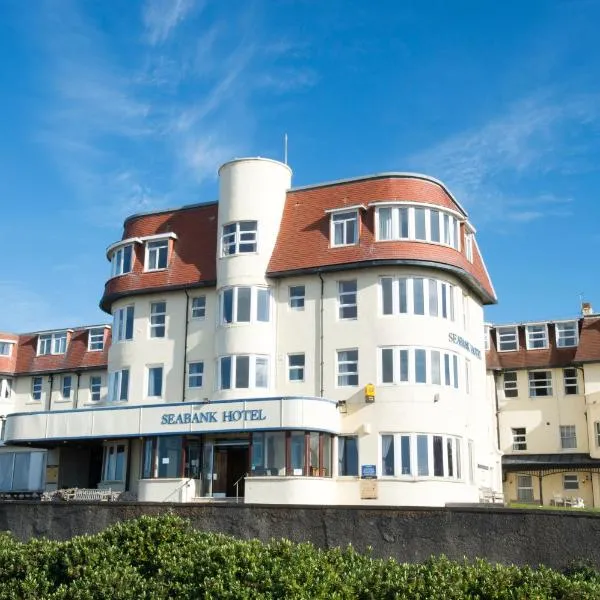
x=314, y=345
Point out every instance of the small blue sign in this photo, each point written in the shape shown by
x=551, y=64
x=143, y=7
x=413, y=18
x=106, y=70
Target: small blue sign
x=368, y=471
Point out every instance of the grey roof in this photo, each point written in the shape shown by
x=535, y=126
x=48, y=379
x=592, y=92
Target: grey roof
x=514, y=462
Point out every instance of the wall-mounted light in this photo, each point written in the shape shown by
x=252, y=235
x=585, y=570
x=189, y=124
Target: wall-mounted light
x=341, y=404
x=436, y=397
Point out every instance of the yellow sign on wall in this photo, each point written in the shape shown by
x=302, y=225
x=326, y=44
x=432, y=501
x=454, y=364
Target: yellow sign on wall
x=370, y=392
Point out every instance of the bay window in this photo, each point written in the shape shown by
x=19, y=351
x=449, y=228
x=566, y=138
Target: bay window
x=416, y=296
x=118, y=385
x=243, y=372
x=123, y=324
x=243, y=304
x=121, y=260
x=239, y=238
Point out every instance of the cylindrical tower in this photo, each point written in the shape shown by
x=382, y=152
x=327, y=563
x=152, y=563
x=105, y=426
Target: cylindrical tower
x=252, y=193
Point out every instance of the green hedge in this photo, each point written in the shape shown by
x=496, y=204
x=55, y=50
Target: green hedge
x=163, y=557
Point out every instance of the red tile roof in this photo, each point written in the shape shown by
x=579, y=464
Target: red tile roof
x=77, y=357
x=7, y=363
x=589, y=340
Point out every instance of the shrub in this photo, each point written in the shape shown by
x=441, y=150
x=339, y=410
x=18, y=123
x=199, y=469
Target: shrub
x=163, y=557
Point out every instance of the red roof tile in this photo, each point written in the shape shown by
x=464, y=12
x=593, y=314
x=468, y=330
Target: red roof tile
x=7, y=363
x=589, y=340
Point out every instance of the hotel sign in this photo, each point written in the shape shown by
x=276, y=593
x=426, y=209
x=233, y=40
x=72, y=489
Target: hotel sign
x=460, y=341
x=213, y=416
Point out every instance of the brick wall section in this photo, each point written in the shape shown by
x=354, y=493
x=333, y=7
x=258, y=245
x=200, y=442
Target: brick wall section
x=508, y=536
x=8, y=363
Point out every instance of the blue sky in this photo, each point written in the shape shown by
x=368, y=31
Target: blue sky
x=110, y=108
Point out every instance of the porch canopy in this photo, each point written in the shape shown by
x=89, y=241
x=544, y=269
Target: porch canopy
x=549, y=463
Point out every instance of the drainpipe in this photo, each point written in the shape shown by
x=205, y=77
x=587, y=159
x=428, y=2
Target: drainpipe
x=49, y=402
x=321, y=307
x=185, y=334
x=76, y=390
x=496, y=373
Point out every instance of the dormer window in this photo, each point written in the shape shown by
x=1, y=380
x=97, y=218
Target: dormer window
x=6, y=348
x=566, y=334
x=52, y=343
x=508, y=339
x=96, y=339
x=344, y=228
x=469, y=246
x=239, y=238
x=537, y=337
x=121, y=260
x=157, y=254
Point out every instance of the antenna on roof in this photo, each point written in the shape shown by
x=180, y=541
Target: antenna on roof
x=285, y=146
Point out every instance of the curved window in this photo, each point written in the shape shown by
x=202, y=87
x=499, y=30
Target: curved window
x=403, y=364
x=243, y=371
x=415, y=223
x=416, y=296
x=238, y=238
x=121, y=260
x=244, y=304
x=421, y=455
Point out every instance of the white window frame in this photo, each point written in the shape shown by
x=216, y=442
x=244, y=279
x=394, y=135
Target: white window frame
x=297, y=300
x=121, y=318
x=519, y=439
x=118, y=385
x=339, y=221
x=109, y=466
x=566, y=331
x=534, y=389
x=570, y=381
x=150, y=382
x=254, y=305
x=196, y=374
x=95, y=388
x=66, y=388
x=37, y=388
x=95, y=339
x=536, y=336
x=510, y=333
x=347, y=300
x=570, y=481
x=117, y=260
x=525, y=488
x=5, y=388
x=198, y=308
x=6, y=347
x=157, y=320
x=568, y=437
x=244, y=233
x=154, y=251
x=351, y=364
x=52, y=343
x=469, y=247
x=509, y=385
x=597, y=433
x=299, y=369
x=253, y=360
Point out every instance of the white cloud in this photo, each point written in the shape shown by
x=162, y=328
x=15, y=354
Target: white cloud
x=161, y=18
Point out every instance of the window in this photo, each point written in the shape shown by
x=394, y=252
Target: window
x=524, y=488
x=96, y=339
x=118, y=385
x=519, y=436
x=393, y=223
x=162, y=457
x=511, y=389
x=121, y=260
x=566, y=334
x=157, y=254
x=244, y=305
x=36, y=388
x=296, y=367
x=155, y=381
x=5, y=390
x=347, y=308
x=22, y=471
x=398, y=365
x=486, y=337
x=123, y=324
x=469, y=246
x=348, y=455
x=195, y=374
x=158, y=318
x=239, y=238
x=243, y=372
x=297, y=293
x=199, y=307
x=508, y=339
x=414, y=295
x=597, y=431
x=568, y=437
x=67, y=383
x=114, y=461
x=570, y=380
x=570, y=481
x=5, y=348
x=540, y=383
x=347, y=367
x=52, y=343
x=537, y=337
x=344, y=228
x=95, y=387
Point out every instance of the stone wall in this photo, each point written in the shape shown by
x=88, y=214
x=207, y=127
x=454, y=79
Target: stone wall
x=553, y=538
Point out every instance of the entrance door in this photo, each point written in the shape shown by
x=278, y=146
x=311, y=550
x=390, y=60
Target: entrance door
x=193, y=464
x=237, y=469
x=220, y=472
x=224, y=466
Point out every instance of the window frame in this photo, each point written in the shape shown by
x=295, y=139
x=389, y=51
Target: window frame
x=500, y=334
x=236, y=238
x=559, y=337
x=111, y=449
x=343, y=217
x=529, y=496
x=66, y=384
x=339, y=375
x=253, y=309
x=198, y=305
x=121, y=325
x=532, y=337
x=296, y=368
x=150, y=382
x=37, y=388
x=8, y=344
x=534, y=389
x=342, y=456
x=115, y=384
x=117, y=260
x=252, y=371
x=95, y=388
x=155, y=248
x=193, y=376
x=296, y=302
x=571, y=382
x=96, y=332
x=342, y=302
x=155, y=326
x=52, y=340
x=573, y=481
x=510, y=388
x=568, y=437
x=519, y=439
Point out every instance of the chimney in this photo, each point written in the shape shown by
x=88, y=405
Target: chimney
x=586, y=309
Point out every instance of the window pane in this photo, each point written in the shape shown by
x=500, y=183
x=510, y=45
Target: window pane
x=387, y=365
x=148, y=459
x=242, y=372
x=420, y=223
x=297, y=452
x=433, y=297
x=438, y=456
x=226, y=373
x=403, y=222
x=419, y=300
x=127, y=253
x=129, y=324
x=455, y=366
x=297, y=297
x=422, y=455
x=264, y=297
x=348, y=455
x=386, y=295
x=385, y=223
x=435, y=367
x=243, y=304
x=402, y=296
x=447, y=369
x=434, y=225
x=169, y=451
x=228, y=306
x=420, y=366
x=124, y=384
x=449, y=457
x=262, y=372
x=387, y=454
x=405, y=454
x=403, y=365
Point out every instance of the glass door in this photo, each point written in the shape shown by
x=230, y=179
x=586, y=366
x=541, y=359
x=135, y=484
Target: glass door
x=207, y=469
x=193, y=464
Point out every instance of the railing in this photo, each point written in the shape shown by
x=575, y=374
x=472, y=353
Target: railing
x=237, y=487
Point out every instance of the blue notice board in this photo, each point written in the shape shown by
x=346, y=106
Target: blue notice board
x=368, y=471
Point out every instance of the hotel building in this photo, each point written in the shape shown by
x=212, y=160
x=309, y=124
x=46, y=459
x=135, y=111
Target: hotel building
x=318, y=344
x=545, y=377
